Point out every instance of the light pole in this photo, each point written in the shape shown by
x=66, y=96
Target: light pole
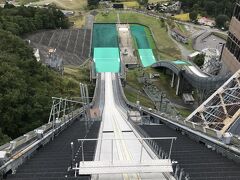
x=72, y=150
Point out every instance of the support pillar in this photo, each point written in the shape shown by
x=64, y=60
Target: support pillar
x=173, y=78
x=178, y=84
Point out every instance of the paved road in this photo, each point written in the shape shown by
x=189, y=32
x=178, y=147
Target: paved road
x=89, y=21
x=207, y=40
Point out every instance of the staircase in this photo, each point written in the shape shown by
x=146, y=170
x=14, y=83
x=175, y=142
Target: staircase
x=196, y=159
x=52, y=161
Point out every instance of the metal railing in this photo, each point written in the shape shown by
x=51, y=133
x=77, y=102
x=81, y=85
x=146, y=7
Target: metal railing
x=141, y=140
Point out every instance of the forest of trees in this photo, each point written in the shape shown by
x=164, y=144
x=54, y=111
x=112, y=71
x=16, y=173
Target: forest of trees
x=221, y=10
x=26, y=86
x=20, y=20
x=92, y=4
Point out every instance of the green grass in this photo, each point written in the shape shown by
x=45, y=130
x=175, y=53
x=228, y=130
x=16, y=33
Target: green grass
x=182, y=17
x=78, y=20
x=165, y=47
x=74, y=75
x=150, y=38
x=189, y=45
x=63, y=4
x=132, y=80
x=163, y=83
x=106, y=17
x=220, y=35
x=131, y=4
x=132, y=97
x=184, y=112
x=183, y=29
x=155, y=1
x=22, y=2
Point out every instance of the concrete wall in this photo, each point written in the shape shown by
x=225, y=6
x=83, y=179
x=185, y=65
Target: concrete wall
x=229, y=60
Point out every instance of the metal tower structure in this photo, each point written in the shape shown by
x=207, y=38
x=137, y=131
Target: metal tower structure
x=221, y=109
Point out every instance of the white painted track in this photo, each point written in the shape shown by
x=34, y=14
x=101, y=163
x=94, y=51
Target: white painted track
x=115, y=125
x=197, y=72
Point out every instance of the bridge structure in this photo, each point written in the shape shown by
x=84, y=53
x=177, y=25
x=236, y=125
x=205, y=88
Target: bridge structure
x=108, y=137
x=188, y=75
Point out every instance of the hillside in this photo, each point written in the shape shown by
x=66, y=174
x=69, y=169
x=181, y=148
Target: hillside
x=26, y=86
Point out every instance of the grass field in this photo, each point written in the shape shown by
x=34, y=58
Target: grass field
x=182, y=17
x=155, y=1
x=26, y=1
x=220, y=35
x=132, y=81
x=74, y=75
x=131, y=4
x=182, y=28
x=132, y=97
x=162, y=83
x=64, y=4
x=78, y=19
x=104, y=17
x=166, y=49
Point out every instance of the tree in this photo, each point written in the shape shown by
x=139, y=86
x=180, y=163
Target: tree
x=221, y=21
x=3, y=138
x=21, y=20
x=93, y=3
x=8, y=6
x=26, y=88
x=199, y=60
x=210, y=7
x=193, y=15
x=143, y=2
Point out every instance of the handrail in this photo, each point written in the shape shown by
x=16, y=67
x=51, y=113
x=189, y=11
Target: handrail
x=144, y=138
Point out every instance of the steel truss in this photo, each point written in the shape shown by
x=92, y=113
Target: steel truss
x=222, y=108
